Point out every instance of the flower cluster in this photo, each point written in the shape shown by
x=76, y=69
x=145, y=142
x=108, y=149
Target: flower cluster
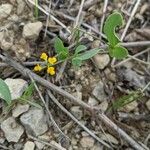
x=50, y=61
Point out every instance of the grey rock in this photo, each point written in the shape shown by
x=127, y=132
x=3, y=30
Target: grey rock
x=75, y=110
x=5, y=10
x=16, y=87
x=34, y=121
x=20, y=109
x=87, y=142
x=29, y=146
x=103, y=106
x=12, y=130
x=92, y=101
x=18, y=146
x=134, y=80
x=32, y=30
x=101, y=60
x=39, y=145
x=99, y=92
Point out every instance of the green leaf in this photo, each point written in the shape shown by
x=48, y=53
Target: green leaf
x=29, y=91
x=110, y=25
x=62, y=51
x=118, y=52
x=5, y=92
x=126, y=99
x=77, y=62
x=88, y=54
x=80, y=48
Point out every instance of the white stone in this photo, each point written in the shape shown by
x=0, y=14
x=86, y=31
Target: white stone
x=87, y=142
x=19, y=109
x=12, y=130
x=99, y=92
x=103, y=106
x=57, y=145
x=39, y=145
x=32, y=30
x=16, y=87
x=101, y=60
x=34, y=121
x=148, y=104
x=92, y=101
x=29, y=146
x=77, y=112
x=5, y=10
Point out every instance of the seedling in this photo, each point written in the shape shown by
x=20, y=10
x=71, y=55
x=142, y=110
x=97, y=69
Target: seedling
x=114, y=47
x=25, y=98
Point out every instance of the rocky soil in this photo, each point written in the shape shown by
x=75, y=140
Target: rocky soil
x=26, y=126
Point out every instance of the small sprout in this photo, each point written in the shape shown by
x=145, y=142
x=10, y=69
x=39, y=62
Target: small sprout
x=61, y=50
x=44, y=56
x=37, y=68
x=52, y=60
x=115, y=49
x=51, y=70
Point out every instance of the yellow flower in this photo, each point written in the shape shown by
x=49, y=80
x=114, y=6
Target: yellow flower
x=37, y=68
x=44, y=56
x=51, y=70
x=52, y=60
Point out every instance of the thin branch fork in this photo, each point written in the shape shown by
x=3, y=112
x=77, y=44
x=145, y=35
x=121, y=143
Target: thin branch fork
x=26, y=72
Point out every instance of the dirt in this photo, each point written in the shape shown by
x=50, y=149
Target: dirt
x=117, y=82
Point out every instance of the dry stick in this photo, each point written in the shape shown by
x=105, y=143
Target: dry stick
x=139, y=60
x=130, y=19
x=124, y=135
x=47, y=109
x=128, y=59
x=103, y=16
x=54, y=18
x=47, y=20
x=84, y=24
x=79, y=14
x=76, y=120
x=45, y=143
x=25, y=72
